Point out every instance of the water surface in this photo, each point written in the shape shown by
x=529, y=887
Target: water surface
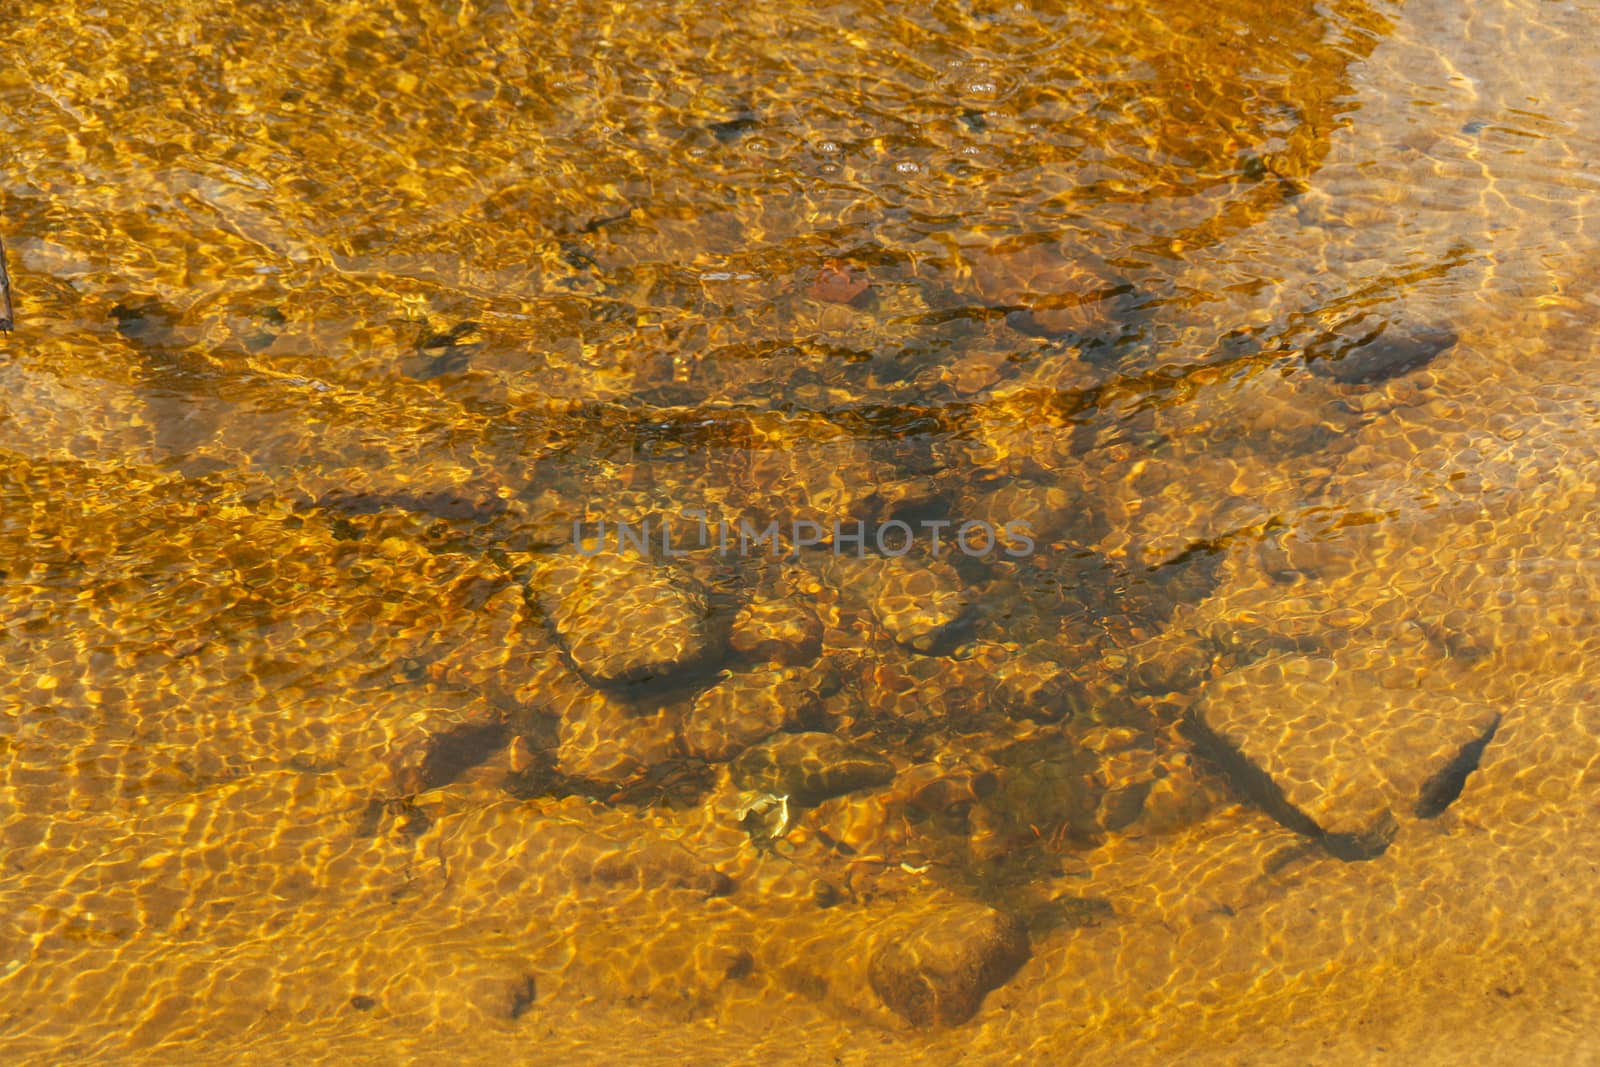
x=1272, y=322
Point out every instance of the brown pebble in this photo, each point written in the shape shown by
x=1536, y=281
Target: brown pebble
x=938, y=973
x=838, y=283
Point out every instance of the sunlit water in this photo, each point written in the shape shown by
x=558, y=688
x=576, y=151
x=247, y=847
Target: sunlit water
x=1270, y=326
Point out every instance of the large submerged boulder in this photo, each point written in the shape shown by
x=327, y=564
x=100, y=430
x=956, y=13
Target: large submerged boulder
x=623, y=619
x=938, y=973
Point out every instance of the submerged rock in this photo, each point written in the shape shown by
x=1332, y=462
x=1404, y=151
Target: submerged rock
x=1173, y=662
x=566, y=854
x=923, y=689
x=656, y=864
x=809, y=767
x=500, y=991
x=1032, y=686
x=915, y=601
x=945, y=784
x=604, y=739
x=623, y=619
x=741, y=710
x=839, y=283
x=975, y=372
x=444, y=746
x=938, y=973
x=1051, y=294
x=1391, y=353
x=775, y=631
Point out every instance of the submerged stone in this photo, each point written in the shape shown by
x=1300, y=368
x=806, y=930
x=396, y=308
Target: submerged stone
x=435, y=756
x=810, y=767
x=623, y=619
x=603, y=739
x=775, y=631
x=915, y=601
x=744, y=708
x=1032, y=686
x=938, y=973
x=939, y=786
x=657, y=864
x=1049, y=293
x=1389, y=355
x=925, y=689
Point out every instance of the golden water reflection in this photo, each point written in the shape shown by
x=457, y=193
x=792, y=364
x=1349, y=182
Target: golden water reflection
x=1266, y=327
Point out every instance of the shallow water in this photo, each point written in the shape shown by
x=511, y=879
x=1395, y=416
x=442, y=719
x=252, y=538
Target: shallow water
x=1269, y=325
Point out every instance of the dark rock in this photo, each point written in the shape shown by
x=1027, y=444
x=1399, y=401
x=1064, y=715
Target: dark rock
x=1391, y=353
x=810, y=767
x=603, y=739
x=478, y=501
x=915, y=601
x=731, y=130
x=659, y=865
x=501, y=993
x=776, y=631
x=623, y=619
x=938, y=973
x=741, y=710
x=427, y=760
